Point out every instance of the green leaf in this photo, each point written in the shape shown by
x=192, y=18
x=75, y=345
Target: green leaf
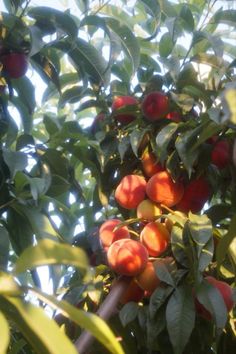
x=180, y=318
x=128, y=313
x=158, y=298
x=48, y=252
x=5, y=334
x=87, y=58
x=26, y=93
x=163, y=272
x=15, y=160
x=187, y=18
x=200, y=227
x=163, y=139
x=128, y=41
x=210, y=297
x=183, y=145
x=4, y=247
x=39, y=223
x=166, y=45
x=225, y=242
x=41, y=332
x=72, y=95
x=177, y=245
x=62, y=21
x=227, y=17
x=90, y=322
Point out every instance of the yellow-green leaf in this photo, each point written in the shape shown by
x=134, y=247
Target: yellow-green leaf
x=48, y=252
x=40, y=331
x=5, y=334
x=90, y=322
x=8, y=285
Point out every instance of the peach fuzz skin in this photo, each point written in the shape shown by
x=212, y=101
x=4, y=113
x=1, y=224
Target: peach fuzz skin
x=150, y=164
x=122, y=101
x=108, y=234
x=155, y=106
x=132, y=293
x=155, y=237
x=147, y=279
x=162, y=189
x=148, y=210
x=127, y=257
x=130, y=191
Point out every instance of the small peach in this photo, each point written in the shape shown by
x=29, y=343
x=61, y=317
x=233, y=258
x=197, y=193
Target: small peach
x=155, y=237
x=148, y=210
x=109, y=233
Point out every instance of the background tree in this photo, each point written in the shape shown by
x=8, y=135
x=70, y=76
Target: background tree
x=136, y=123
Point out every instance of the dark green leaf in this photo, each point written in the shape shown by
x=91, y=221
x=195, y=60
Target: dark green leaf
x=180, y=318
x=210, y=297
x=224, y=243
x=128, y=313
x=4, y=247
x=163, y=140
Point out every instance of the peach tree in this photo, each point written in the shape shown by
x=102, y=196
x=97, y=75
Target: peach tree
x=118, y=177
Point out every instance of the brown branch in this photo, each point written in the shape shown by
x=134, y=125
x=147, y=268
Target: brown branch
x=105, y=311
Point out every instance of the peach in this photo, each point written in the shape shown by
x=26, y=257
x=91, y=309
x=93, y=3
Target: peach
x=155, y=106
x=121, y=102
x=148, y=210
x=162, y=189
x=130, y=191
x=109, y=233
x=150, y=164
x=132, y=293
x=15, y=65
x=155, y=237
x=226, y=292
x=127, y=257
x=196, y=194
x=221, y=154
x=148, y=279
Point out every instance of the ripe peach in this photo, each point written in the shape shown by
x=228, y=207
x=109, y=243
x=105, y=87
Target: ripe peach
x=155, y=237
x=148, y=279
x=120, y=102
x=132, y=293
x=161, y=189
x=150, y=164
x=108, y=234
x=155, y=106
x=196, y=194
x=127, y=257
x=226, y=293
x=130, y=191
x=15, y=65
x=174, y=116
x=148, y=210
x=221, y=154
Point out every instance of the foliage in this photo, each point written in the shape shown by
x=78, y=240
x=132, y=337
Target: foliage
x=60, y=165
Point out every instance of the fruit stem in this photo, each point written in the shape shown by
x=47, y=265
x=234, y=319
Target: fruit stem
x=167, y=208
x=105, y=311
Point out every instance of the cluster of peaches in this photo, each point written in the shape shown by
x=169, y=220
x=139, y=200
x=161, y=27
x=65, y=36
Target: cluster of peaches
x=137, y=256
